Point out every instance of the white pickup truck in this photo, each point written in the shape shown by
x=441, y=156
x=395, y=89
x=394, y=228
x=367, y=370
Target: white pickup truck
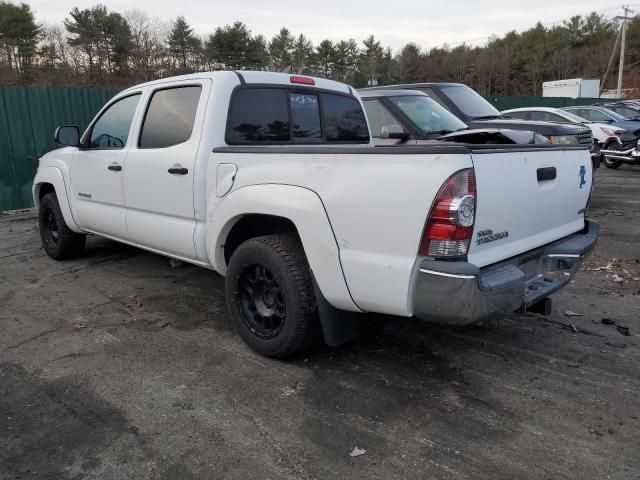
x=271, y=180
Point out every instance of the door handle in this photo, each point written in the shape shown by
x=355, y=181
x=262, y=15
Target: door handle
x=178, y=170
x=115, y=168
x=548, y=173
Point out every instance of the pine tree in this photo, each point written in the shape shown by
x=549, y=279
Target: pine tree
x=183, y=44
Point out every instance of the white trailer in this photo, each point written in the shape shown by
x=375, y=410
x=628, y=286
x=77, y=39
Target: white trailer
x=573, y=87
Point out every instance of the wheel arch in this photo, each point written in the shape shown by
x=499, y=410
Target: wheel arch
x=50, y=180
x=263, y=209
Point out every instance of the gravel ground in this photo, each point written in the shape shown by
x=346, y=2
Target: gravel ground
x=118, y=366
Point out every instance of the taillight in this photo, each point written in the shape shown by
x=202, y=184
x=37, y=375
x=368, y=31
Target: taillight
x=302, y=80
x=450, y=224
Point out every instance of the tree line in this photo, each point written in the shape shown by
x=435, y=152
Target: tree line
x=96, y=47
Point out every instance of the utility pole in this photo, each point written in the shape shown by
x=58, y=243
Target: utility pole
x=622, y=45
x=603, y=82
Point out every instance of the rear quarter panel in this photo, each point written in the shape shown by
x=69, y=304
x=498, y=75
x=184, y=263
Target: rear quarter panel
x=377, y=205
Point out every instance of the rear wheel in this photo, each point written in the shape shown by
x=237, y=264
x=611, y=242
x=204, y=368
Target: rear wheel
x=58, y=240
x=270, y=295
x=610, y=163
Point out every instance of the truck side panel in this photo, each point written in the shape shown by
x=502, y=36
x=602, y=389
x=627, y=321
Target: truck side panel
x=377, y=205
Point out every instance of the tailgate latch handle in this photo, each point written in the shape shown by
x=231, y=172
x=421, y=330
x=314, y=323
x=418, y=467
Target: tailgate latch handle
x=548, y=173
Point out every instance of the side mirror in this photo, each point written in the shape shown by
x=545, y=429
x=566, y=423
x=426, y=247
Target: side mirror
x=68, y=135
x=394, y=131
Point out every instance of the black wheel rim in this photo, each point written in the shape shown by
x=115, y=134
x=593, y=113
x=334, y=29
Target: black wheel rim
x=261, y=301
x=50, y=226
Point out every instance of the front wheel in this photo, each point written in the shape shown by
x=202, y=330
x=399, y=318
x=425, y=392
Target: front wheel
x=58, y=240
x=270, y=296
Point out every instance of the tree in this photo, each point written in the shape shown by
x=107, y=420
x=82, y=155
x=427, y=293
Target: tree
x=229, y=47
x=302, y=54
x=325, y=58
x=18, y=36
x=184, y=46
x=258, y=54
x=371, y=60
x=280, y=50
x=346, y=58
x=104, y=37
x=147, y=51
x=408, y=63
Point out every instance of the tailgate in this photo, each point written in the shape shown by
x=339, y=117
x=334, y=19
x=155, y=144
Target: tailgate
x=527, y=198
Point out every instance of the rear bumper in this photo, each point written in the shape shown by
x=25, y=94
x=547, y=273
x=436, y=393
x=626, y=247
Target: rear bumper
x=460, y=293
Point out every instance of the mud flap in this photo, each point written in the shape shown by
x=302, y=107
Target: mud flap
x=338, y=326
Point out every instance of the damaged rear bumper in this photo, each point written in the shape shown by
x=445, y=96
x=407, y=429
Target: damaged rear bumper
x=460, y=293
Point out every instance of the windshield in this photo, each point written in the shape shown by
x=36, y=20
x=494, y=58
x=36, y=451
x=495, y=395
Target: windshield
x=628, y=113
x=611, y=113
x=469, y=102
x=428, y=115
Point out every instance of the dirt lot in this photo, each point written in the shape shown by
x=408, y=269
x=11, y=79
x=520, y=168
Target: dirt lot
x=118, y=366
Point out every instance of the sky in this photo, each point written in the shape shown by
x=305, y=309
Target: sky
x=394, y=22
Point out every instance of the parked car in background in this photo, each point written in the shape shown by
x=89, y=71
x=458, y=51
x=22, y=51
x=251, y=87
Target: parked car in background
x=601, y=131
x=477, y=112
x=604, y=115
x=628, y=109
x=412, y=117
x=272, y=180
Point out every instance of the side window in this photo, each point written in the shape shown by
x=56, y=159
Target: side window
x=170, y=116
x=344, y=119
x=379, y=117
x=111, y=130
x=305, y=115
x=598, y=116
x=546, y=116
x=258, y=115
x=586, y=114
x=521, y=115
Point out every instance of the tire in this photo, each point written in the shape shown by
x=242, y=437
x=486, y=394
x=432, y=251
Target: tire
x=270, y=296
x=58, y=240
x=608, y=162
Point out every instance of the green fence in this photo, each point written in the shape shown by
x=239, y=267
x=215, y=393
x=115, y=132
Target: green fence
x=28, y=118
x=505, y=103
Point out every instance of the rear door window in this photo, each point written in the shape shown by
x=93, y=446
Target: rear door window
x=258, y=115
x=170, y=117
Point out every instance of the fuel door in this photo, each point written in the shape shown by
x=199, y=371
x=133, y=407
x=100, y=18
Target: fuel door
x=225, y=176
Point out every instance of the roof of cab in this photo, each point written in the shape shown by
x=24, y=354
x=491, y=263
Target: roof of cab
x=252, y=77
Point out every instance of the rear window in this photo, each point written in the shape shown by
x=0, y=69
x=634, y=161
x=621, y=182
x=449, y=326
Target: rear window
x=279, y=116
x=259, y=115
